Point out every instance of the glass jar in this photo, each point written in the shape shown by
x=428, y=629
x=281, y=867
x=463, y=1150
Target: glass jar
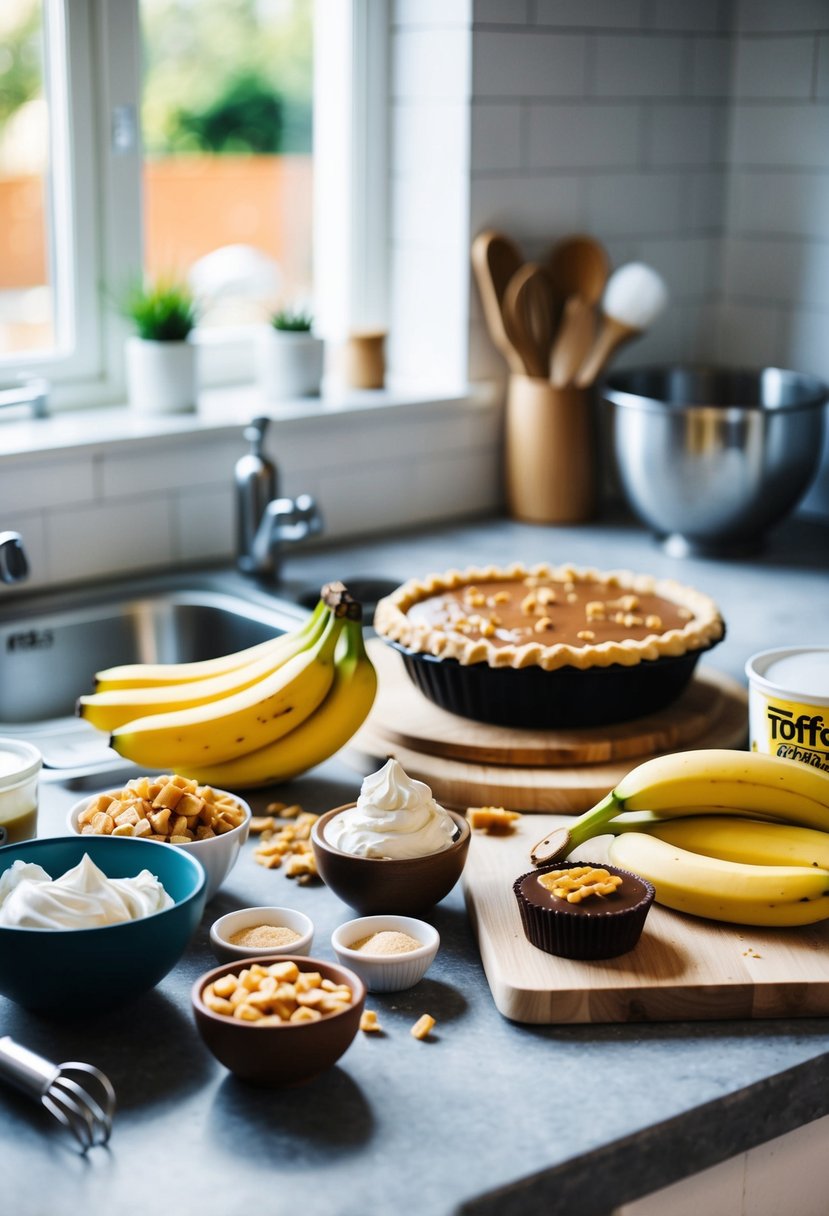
x=20, y=764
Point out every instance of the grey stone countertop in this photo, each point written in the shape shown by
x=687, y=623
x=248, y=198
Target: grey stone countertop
x=487, y=1116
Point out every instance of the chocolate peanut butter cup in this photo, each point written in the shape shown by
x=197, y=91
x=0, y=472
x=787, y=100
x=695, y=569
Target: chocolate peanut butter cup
x=594, y=915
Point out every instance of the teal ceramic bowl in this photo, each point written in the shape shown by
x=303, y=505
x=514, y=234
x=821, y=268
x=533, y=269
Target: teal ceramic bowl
x=79, y=972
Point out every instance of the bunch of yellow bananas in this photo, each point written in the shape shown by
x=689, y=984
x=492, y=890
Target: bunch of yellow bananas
x=726, y=835
x=252, y=718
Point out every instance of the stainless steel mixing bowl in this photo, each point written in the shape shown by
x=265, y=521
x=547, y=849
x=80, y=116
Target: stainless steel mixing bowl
x=711, y=458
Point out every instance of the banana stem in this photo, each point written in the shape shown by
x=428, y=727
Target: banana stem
x=563, y=840
x=340, y=600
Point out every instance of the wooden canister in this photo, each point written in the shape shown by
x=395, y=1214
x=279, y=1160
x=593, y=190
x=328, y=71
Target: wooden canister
x=550, y=452
x=363, y=362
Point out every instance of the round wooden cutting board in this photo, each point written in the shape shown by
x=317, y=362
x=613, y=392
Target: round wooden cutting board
x=470, y=763
x=403, y=716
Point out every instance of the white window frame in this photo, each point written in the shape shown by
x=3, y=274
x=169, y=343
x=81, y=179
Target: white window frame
x=98, y=246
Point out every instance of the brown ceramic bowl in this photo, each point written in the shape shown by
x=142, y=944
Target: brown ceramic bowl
x=376, y=884
x=279, y=1055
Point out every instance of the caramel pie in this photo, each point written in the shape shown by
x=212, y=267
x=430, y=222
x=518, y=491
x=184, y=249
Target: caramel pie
x=548, y=617
x=467, y=636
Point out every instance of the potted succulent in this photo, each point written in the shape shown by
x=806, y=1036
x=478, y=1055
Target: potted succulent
x=160, y=357
x=290, y=356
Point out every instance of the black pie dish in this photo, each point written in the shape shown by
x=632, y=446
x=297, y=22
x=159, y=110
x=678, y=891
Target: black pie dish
x=567, y=698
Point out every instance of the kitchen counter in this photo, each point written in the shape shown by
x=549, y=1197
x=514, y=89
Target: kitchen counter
x=486, y=1116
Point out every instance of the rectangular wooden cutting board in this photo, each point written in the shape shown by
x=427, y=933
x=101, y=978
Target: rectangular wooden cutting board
x=683, y=969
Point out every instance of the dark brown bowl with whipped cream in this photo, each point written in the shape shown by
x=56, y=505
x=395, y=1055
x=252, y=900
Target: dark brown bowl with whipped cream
x=407, y=885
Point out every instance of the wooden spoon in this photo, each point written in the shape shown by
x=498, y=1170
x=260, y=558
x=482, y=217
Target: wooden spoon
x=634, y=298
x=495, y=259
x=529, y=317
x=579, y=267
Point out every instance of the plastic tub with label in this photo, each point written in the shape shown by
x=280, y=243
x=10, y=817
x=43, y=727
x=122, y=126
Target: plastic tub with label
x=788, y=704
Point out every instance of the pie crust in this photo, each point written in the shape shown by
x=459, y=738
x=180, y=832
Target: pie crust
x=697, y=622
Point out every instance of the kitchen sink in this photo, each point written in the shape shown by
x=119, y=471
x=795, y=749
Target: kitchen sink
x=51, y=646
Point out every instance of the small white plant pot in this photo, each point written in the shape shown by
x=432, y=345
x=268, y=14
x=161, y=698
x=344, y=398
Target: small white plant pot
x=289, y=364
x=161, y=376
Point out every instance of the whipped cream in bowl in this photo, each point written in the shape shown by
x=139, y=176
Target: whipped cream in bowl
x=394, y=850
x=89, y=923
x=394, y=817
x=82, y=898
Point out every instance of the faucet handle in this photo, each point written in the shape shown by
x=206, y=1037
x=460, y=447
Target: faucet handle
x=14, y=565
x=309, y=513
x=254, y=432
x=293, y=519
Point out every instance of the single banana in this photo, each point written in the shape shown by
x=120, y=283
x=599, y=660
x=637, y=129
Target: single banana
x=116, y=706
x=725, y=780
x=724, y=890
x=158, y=675
x=241, y=722
x=322, y=734
x=733, y=838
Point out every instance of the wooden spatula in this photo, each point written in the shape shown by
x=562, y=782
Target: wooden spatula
x=495, y=259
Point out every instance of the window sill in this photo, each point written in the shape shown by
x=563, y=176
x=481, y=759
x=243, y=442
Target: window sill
x=224, y=411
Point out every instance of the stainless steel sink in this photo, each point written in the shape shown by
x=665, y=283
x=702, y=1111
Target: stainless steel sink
x=51, y=646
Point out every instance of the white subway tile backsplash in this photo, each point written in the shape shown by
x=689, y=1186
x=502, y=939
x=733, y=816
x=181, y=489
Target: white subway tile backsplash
x=780, y=136
x=113, y=537
x=124, y=473
x=525, y=207
x=204, y=523
x=467, y=483
x=711, y=67
x=684, y=135
x=642, y=204
x=750, y=335
x=779, y=203
x=363, y=499
x=689, y=266
x=589, y=14
x=785, y=271
x=769, y=68
x=781, y=16
x=638, y=66
x=807, y=337
x=681, y=15
x=537, y=64
x=30, y=485
x=572, y=136
x=822, y=68
x=496, y=139
x=705, y=201
x=501, y=12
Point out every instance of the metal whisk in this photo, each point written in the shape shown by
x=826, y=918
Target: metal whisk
x=79, y=1096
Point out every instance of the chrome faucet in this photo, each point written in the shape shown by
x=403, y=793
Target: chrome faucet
x=265, y=522
x=14, y=565
x=34, y=393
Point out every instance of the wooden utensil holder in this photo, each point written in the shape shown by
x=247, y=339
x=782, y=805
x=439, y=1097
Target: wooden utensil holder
x=363, y=361
x=550, y=452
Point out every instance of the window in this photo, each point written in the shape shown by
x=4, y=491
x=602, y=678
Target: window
x=47, y=307
x=175, y=137
x=226, y=125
